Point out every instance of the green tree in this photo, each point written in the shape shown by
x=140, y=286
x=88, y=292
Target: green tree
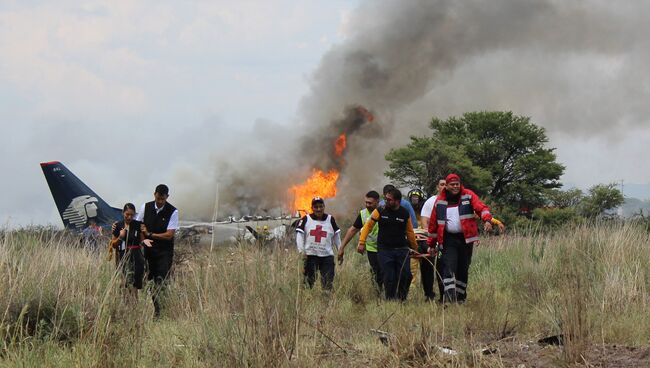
x=555, y=217
x=564, y=198
x=422, y=162
x=511, y=148
x=601, y=198
x=497, y=154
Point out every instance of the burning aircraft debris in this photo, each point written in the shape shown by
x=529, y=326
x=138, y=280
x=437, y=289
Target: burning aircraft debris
x=323, y=179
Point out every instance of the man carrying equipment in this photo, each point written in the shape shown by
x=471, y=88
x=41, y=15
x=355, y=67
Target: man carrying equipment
x=454, y=228
x=395, y=228
x=371, y=202
x=316, y=234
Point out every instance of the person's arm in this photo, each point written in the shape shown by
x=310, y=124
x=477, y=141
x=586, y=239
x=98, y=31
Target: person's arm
x=115, y=241
x=300, y=235
x=410, y=235
x=167, y=235
x=424, y=222
x=352, y=231
x=300, y=242
x=336, y=239
x=414, y=219
x=432, y=229
x=365, y=231
x=171, y=229
x=118, y=236
x=498, y=224
x=483, y=211
x=425, y=213
x=480, y=208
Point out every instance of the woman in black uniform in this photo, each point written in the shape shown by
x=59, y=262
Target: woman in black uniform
x=127, y=240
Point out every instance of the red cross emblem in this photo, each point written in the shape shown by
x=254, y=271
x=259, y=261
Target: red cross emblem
x=318, y=233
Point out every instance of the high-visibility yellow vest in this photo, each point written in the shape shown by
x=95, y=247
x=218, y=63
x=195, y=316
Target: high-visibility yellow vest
x=371, y=240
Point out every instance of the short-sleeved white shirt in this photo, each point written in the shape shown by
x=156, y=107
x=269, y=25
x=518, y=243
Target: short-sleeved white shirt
x=427, y=208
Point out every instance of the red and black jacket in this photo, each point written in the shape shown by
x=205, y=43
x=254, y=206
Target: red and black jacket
x=469, y=204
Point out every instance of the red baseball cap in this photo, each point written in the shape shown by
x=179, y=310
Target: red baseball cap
x=452, y=178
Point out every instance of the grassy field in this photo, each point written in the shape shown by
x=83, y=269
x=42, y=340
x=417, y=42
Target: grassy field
x=244, y=306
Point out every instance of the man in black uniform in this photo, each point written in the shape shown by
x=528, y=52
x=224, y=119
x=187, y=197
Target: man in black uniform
x=395, y=238
x=160, y=221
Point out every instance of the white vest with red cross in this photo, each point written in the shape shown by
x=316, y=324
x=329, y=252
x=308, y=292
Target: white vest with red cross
x=318, y=235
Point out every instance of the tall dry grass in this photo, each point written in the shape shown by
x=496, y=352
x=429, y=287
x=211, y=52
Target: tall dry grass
x=245, y=306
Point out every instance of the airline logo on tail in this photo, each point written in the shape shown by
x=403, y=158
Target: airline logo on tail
x=80, y=210
x=76, y=202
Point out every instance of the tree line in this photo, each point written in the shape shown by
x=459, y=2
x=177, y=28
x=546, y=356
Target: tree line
x=503, y=157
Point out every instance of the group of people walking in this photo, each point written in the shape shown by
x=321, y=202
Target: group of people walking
x=399, y=236
x=440, y=237
x=146, y=238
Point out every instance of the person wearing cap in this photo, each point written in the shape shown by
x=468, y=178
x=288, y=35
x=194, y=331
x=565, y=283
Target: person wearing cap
x=454, y=229
x=316, y=234
x=371, y=203
x=394, y=239
x=159, y=223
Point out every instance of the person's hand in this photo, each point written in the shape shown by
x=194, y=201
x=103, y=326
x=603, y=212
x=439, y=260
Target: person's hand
x=144, y=230
x=487, y=226
x=361, y=248
x=433, y=252
x=339, y=256
x=502, y=227
x=113, y=227
x=148, y=243
x=123, y=234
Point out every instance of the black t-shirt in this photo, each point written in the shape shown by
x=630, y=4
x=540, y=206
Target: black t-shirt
x=358, y=223
x=133, y=236
x=392, y=227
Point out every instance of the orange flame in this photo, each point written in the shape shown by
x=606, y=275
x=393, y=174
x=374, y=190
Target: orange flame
x=319, y=184
x=340, y=144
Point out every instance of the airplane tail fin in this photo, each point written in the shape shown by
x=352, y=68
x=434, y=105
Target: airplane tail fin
x=76, y=202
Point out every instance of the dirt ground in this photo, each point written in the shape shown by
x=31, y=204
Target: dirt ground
x=531, y=354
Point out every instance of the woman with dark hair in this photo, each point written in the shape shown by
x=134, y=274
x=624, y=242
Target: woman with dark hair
x=127, y=240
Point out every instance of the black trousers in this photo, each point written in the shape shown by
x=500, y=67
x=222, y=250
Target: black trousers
x=132, y=263
x=159, y=262
x=375, y=270
x=456, y=258
x=323, y=264
x=396, y=266
x=428, y=275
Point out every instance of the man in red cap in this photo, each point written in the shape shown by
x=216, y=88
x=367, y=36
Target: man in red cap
x=454, y=229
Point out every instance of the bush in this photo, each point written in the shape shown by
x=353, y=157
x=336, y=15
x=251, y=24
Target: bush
x=555, y=217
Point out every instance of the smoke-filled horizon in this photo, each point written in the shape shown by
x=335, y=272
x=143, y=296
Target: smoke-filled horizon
x=236, y=95
x=569, y=65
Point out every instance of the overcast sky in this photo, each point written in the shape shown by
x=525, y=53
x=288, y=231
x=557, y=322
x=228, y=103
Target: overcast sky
x=98, y=86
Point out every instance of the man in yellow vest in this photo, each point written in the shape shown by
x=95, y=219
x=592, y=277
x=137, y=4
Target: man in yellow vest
x=371, y=202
